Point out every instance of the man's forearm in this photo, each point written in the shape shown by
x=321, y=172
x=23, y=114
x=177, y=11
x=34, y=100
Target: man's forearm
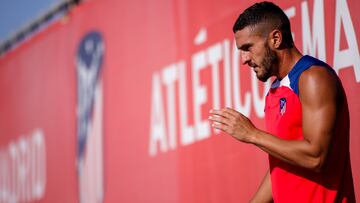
x=309, y=152
x=296, y=152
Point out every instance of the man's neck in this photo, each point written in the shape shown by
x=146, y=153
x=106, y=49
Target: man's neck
x=287, y=60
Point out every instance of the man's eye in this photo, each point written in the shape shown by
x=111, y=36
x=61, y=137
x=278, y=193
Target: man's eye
x=247, y=48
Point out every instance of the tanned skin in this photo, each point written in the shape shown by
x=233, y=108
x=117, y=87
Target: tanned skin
x=318, y=95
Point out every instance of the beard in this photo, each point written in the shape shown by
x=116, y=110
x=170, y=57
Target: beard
x=269, y=60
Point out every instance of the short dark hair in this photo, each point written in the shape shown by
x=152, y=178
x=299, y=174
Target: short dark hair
x=266, y=12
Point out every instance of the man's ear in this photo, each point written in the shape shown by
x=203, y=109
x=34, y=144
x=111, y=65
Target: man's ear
x=275, y=37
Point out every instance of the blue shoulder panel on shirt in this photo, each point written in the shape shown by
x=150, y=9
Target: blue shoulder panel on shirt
x=303, y=64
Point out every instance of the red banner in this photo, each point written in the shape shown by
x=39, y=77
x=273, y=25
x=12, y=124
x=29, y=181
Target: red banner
x=110, y=103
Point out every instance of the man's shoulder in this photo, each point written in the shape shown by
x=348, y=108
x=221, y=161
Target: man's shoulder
x=319, y=74
x=318, y=82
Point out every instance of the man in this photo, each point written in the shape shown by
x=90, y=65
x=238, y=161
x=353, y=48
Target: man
x=306, y=114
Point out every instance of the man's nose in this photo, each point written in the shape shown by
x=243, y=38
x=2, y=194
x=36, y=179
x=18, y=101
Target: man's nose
x=245, y=57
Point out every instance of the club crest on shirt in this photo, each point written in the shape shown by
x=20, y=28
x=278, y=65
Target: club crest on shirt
x=282, y=106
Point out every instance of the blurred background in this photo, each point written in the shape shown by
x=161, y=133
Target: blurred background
x=108, y=100
x=16, y=14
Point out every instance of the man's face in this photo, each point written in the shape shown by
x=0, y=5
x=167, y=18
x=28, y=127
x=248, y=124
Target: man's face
x=256, y=52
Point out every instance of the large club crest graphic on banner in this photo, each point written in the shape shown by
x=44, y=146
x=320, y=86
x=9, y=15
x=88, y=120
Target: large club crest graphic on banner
x=90, y=118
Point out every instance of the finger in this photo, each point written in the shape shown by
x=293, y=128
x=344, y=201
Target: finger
x=219, y=126
x=219, y=119
x=232, y=111
x=221, y=113
x=236, y=114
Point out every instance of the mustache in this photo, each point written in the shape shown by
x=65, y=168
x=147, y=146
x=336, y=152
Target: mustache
x=251, y=64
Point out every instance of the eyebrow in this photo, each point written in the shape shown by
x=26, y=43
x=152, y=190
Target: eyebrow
x=245, y=46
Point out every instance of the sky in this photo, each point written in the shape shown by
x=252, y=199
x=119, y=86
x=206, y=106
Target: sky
x=15, y=14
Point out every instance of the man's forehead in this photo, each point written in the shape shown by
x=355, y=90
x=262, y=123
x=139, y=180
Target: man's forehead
x=244, y=36
x=243, y=33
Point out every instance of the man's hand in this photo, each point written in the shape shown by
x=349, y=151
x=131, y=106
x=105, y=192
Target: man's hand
x=233, y=123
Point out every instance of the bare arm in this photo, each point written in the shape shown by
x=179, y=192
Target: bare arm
x=264, y=193
x=318, y=98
